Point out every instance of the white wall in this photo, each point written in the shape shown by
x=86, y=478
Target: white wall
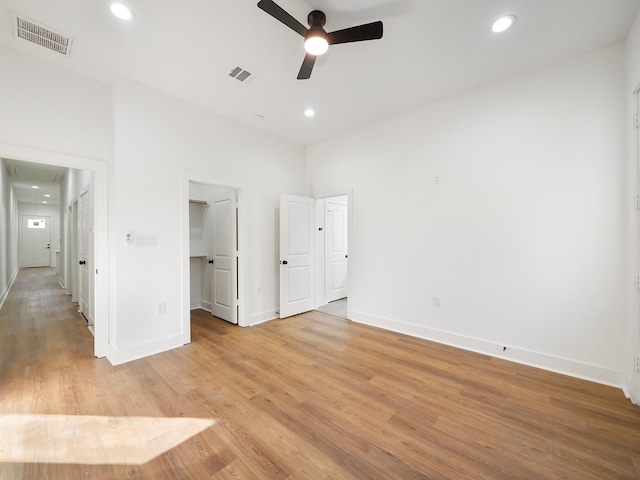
x=50, y=108
x=51, y=111
x=153, y=145
x=8, y=234
x=633, y=82
x=160, y=144
x=524, y=240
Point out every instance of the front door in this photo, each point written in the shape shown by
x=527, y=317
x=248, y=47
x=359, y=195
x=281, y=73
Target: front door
x=35, y=245
x=224, y=284
x=296, y=255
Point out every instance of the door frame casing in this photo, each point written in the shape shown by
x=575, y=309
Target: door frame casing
x=103, y=281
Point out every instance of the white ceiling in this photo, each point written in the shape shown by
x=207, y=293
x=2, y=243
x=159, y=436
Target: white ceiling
x=24, y=176
x=431, y=49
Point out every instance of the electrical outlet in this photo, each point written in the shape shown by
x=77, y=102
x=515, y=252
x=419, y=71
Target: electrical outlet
x=436, y=300
x=161, y=308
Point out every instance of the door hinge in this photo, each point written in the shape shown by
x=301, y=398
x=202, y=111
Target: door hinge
x=637, y=282
x=636, y=121
x=637, y=202
x=637, y=364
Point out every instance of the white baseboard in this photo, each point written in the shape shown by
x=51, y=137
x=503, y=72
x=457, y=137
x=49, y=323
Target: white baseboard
x=5, y=292
x=543, y=361
x=258, y=318
x=200, y=305
x=121, y=355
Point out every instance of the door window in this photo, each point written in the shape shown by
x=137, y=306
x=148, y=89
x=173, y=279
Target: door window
x=36, y=223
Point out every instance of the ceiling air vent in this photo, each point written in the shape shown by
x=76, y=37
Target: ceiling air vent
x=242, y=75
x=40, y=35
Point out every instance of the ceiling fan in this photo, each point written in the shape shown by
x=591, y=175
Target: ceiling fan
x=317, y=40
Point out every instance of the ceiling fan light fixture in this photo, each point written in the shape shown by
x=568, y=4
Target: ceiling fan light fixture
x=316, y=44
x=503, y=23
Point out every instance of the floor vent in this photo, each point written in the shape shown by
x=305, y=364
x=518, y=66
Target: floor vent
x=242, y=75
x=40, y=35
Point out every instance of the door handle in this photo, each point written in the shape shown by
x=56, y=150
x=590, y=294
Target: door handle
x=48, y=245
x=82, y=262
x=211, y=261
x=284, y=262
x=346, y=256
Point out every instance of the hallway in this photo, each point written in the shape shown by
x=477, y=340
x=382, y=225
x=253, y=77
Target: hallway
x=39, y=323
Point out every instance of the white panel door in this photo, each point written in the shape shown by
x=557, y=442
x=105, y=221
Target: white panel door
x=336, y=254
x=296, y=255
x=224, y=286
x=35, y=245
x=74, y=255
x=84, y=260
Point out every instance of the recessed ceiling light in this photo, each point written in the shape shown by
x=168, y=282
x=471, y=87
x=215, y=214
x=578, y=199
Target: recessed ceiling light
x=34, y=186
x=47, y=195
x=503, y=23
x=44, y=201
x=121, y=11
x=309, y=112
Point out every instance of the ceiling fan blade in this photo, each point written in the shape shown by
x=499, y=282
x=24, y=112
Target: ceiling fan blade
x=307, y=66
x=368, y=31
x=279, y=14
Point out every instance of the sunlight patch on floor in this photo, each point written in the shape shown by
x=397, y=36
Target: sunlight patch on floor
x=92, y=440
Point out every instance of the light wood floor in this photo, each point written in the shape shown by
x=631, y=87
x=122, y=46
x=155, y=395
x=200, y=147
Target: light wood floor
x=309, y=397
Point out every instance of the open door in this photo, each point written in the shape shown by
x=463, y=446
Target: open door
x=336, y=248
x=84, y=258
x=224, y=283
x=296, y=255
x=73, y=258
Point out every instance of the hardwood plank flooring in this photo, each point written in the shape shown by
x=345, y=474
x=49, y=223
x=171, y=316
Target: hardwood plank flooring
x=309, y=397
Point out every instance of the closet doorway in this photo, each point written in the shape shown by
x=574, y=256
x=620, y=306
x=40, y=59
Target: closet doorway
x=214, y=251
